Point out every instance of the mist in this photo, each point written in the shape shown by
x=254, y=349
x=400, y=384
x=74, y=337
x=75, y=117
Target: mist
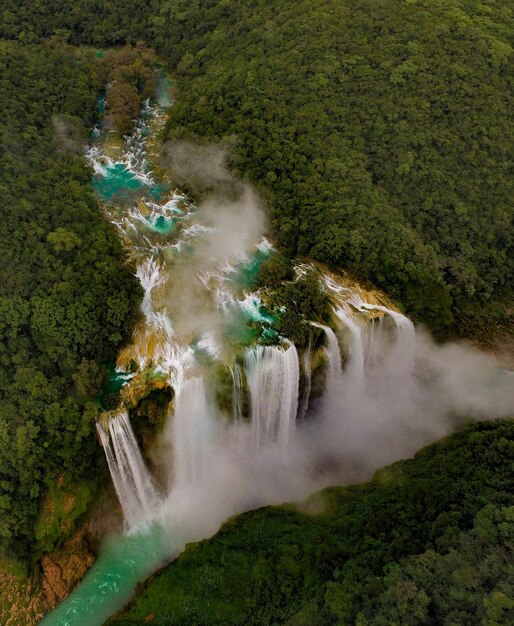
x=388, y=388
x=390, y=417
x=398, y=411
x=229, y=222
x=201, y=167
x=69, y=133
x=403, y=392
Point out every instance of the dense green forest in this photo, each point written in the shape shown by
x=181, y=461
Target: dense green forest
x=379, y=132
x=427, y=541
x=66, y=299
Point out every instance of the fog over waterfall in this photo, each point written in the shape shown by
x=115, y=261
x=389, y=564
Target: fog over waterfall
x=253, y=420
x=387, y=389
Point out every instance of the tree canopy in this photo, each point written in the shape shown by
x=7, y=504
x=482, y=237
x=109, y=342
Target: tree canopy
x=427, y=541
x=379, y=132
x=67, y=300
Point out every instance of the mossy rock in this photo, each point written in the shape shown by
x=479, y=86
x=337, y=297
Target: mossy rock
x=141, y=386
x=61, y=507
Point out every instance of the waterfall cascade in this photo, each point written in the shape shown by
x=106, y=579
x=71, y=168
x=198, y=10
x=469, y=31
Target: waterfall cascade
x=307, y=381
x=403, y=351
x=273, y=378
x=192, y=430
x=271, y=374
x=201, y=319
x=374, y=340
x=333, y=352
x=237, y=391
x=132, y=481
x=355, y=363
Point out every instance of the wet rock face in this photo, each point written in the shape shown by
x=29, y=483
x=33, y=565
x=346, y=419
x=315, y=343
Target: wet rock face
x=24, y=602
x=25, y=599
x=63, y=570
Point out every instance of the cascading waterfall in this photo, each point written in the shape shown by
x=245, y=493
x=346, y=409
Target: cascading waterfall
x=192, y=430
x=134, y=486
x=159, y=233
x=196, y=324
x=334, y=379
x=335, y=370
x=404, y=348
x=237, y=391
x=273, y=377
x=374, y=342
x=354, y=370
x=307, y=381
x=150, y=276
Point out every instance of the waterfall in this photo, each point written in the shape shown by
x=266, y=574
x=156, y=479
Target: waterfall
x=354, y=370
x=273, y=378
x=335, y=370
x=199, y=311
x=374, y=345
x=334, y=382
x=133, y=484
x=149, y=274
x=237, y=392
x=405, y=345
x=191, y=433
x=403, y=351
x=306, y=391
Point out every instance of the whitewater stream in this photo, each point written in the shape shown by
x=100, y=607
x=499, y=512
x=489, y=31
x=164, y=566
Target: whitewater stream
x=270, y=440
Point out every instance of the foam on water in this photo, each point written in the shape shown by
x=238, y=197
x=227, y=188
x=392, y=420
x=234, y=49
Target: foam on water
x=201, y=316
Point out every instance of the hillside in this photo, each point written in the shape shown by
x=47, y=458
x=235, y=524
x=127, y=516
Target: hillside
x=427, y=541
x=61, y=322
x=378, y=132
x=378, y=136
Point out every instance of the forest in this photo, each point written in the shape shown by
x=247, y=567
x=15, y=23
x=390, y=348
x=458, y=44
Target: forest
x=61, y=321
x=428, y=541
x=379, y=133
x=380, y=130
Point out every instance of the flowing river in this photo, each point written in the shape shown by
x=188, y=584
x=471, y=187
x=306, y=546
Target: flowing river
x=253, y=420
x=159, y=228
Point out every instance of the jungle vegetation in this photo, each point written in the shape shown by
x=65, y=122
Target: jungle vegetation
x=428, y=541
x=61, y=319
x=378, y=131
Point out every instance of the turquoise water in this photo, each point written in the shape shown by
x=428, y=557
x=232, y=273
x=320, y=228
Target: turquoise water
x=250, y=326
x=258, y=313
x=127, y=559
x=116, y=381
x=269, y=336
x=124, y=560
x=119, y=181
x=121, y=184
x=157, y=190
x=248, y=273
x=163, y=225
x=236, y=331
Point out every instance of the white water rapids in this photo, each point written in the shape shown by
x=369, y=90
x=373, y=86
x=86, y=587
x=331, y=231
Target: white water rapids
x=375, y=404
x=240, y=432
